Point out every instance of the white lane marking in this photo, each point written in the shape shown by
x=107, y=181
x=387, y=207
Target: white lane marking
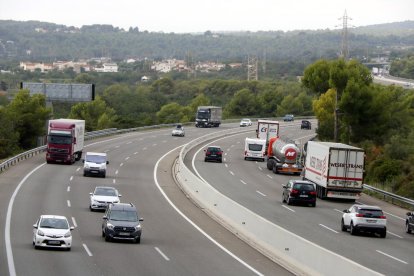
x=130, y=142
x=87, y=250
x=114, y=181
x=116, y=172
x=68, y=201
x=284, y=206
x=339, y=211
x=268, y=175
x=225, y=153
x=191, y=222
x=71, y=178
x=395, y=235
x=117, y=146
x=238, y=142
x=260, y=193
x=164, y=141
x=162, y=254
x=74, y=222
x=68, y=189
x=392, y=257
x=243, y=182
x=154, y=145
x=135, y=153
x=232, y=173
x=78, y=169
x=144, y=148
x=260, y=168
x=226, y=165
x=9, y=251
x=126, y=158
x=389, y=214
x=224, y=159
x=330, y=229
x=121, y=164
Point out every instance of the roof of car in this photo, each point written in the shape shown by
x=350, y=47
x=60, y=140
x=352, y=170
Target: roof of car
x=105, y=187
x=123, y=206
x=53, y=216
x=371, y=207
x=301, y=181
x=96, y=153
x=214, y=147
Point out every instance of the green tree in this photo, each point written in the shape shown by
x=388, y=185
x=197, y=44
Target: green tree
x=316, y=77
x=171, y=113
x=9, y=137
x=243, y=103
x=324, y=107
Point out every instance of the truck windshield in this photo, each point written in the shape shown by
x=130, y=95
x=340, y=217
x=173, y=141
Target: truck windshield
x=59, y=139
x=203, y=114
x=95, y=159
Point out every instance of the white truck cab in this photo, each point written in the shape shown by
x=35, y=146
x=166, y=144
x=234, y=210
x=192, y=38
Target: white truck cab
x=95, y=163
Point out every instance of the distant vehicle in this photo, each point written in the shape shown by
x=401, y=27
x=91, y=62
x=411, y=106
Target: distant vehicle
x=178, y=131
x=306, y=124
x=213, y=153
x=409, y=222
x=208, y=116
x=102, y=197
x=121, y=222
x=65, y=140
x=289, y=118
x=337, y=169
x=254, y=149
x=52, y=231
x=95, y=163
x=364, y=218
x=283, y=157
x=299, y=191
x=245, y=122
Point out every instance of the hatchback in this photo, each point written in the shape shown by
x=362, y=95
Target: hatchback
x=299, y=191
x=364, y=218
x=52, y=231
x=213, y=153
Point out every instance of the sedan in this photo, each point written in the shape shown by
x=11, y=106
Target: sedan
x=102, y=197
x=52, y=231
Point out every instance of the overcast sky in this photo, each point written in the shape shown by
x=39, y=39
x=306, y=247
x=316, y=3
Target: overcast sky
x=183, y=16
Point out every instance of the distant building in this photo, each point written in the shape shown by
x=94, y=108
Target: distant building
x=31, y=66
x=108, y=68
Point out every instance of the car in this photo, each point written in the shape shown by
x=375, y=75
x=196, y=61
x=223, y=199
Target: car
x=95, y=163
x=299, y=191
x=306, y=124
x=122, y=222
x=364, y=218
x=52, y=231
x=245, y=122
x=178, y=131
x=289, y=118
x=102, y=197
x=409, y=222
x=213, y=153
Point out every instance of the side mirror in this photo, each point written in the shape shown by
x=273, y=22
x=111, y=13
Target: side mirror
x=141, y=219
x=284, y=186
x=74, y=140
x=71, y=228
x=105, y=217
x=91, y=193
x=107, y=162
x=35, y=226
x=119, y=195
x=83, y=160
x=409, y=213
x=346, y=211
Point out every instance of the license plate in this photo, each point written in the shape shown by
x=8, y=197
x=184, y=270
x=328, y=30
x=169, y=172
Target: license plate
x=303, y=196
x=123, y=234
x=53, y=242
x=371, y=220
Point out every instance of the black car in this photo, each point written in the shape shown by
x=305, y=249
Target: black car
x=409, y=222
x=213, y=153
x=305, y=125
x=121, y=222
x=299, y=191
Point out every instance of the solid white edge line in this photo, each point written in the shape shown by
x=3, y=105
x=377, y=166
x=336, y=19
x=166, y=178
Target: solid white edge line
x=162, y=254
x=9, y=252
x=192, y=223
x=392, y=257
x=87, y=250
x=330, y=229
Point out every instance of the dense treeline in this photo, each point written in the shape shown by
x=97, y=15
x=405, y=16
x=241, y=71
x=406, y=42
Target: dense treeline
x=403, y=67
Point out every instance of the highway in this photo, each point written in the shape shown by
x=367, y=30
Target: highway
x=250, y=184
x=178, y=238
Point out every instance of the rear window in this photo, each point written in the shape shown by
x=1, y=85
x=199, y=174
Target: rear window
x=213, y=149
x=370, y=213
x=304, y=187
x=255, y=147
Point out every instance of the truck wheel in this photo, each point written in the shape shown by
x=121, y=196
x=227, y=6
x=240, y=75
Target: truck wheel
x=269, y=164
x=275, y=170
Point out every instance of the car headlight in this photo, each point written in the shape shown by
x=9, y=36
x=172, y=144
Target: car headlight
x=67, y=235
x=40, y=233
x=93, y=201
x=86, y=166
x=138, y=227
x=110, y=226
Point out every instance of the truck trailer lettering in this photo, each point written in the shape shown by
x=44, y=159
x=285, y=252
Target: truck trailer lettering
x=345, y=165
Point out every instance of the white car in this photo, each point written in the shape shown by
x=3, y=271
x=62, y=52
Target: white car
x=102, y=197
x=364, y=218
x=178, y=131
x=245, y=122
x=95, y=163
x=52, y=231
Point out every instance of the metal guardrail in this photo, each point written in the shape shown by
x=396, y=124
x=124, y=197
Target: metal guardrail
x=387, y=196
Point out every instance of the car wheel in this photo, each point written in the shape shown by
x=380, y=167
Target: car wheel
x=138, y=240
x=103, y=234
x=90, y=208
x=313, y=204
x=383, y=233
x=343, y=227
x=205, y=159
x=352, y=229
x=220, y=161
x=407, y=228
x=107, y=238
x=68, y=249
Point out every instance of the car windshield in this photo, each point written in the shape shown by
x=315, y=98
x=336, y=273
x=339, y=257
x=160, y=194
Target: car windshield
x=54, y=223
x=105, y=192
x=123, y=215
x=95, y=158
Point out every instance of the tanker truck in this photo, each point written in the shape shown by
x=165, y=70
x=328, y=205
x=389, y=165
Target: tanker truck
x=283, y=157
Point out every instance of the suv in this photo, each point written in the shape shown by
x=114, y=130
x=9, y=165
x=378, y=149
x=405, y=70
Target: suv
x=364, y=218
x=95, y=163
x=213, y=153
x=409, y=222
x=121, y=222
x=305, y=125
x=299, y=191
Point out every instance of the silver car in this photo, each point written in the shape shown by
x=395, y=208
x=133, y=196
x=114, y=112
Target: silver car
x=178, y=131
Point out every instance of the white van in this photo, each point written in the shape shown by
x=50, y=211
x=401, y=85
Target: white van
x=95, y=163
x=254, y=149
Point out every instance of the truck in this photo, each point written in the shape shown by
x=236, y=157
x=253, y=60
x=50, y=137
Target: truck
x=336, y=169
x=65, y=139
x=267, y=129
x=283, y=157
x=254, y=148
x=208, y=116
